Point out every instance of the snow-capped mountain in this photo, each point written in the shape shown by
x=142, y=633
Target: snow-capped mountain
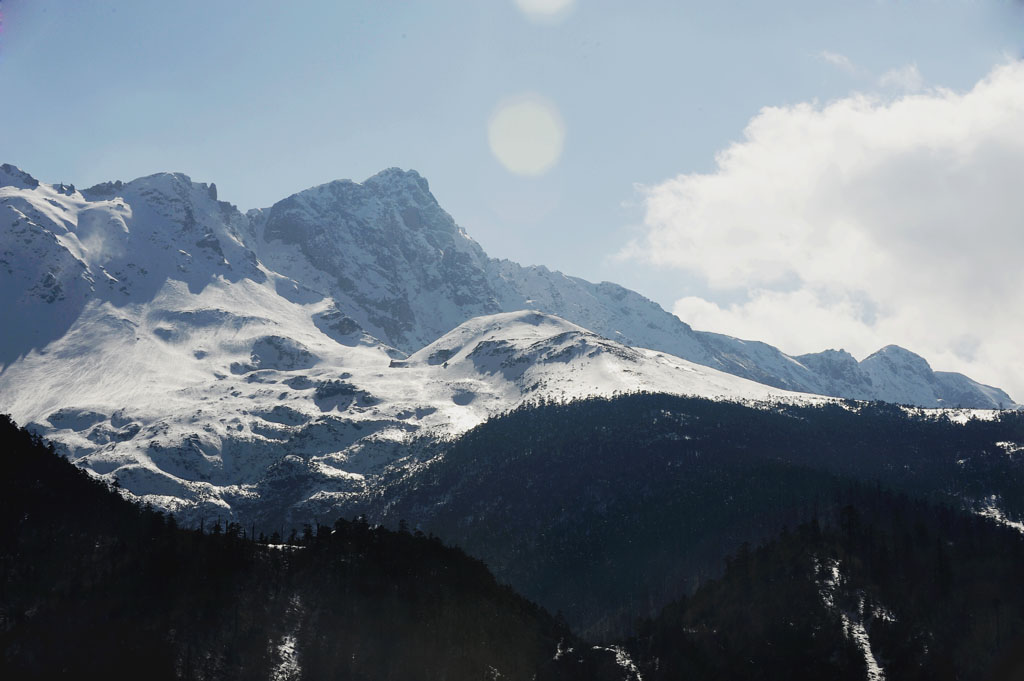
x=402, y=268
x=207, y=358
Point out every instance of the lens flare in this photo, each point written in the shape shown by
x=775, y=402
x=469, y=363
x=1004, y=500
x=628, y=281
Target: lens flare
x=526, y=134
x=546, y=11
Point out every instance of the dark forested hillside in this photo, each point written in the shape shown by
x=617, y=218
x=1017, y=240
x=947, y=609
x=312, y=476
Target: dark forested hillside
x=608, y=508
x=931, y=593
x=92, y=584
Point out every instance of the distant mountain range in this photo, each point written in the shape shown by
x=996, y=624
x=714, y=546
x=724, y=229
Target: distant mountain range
x=207, y=357
x=386, y=251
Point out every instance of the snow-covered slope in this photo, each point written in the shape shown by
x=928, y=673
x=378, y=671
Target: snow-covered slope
x=214, y=360
x=62, y=249
x=197, y=405
x=400, y=267
x=393, y=263
x=527, y=355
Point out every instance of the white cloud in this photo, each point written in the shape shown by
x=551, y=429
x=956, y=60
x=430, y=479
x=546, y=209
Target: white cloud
x=904, y=79
x=863, y=222
x=840, y=61
x=802, y=320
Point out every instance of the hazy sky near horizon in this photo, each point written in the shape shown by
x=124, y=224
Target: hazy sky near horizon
x=812, y=173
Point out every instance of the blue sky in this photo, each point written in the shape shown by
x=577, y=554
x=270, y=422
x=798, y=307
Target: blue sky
x=268, y=98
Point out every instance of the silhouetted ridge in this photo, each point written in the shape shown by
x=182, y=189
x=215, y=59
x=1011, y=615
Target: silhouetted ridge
x=91, y=584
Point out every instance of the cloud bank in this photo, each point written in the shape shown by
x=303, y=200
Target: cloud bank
x=863, y=222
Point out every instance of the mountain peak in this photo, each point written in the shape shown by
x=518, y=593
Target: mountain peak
x=831, y=362
x=524, y=326
x=901, y=376
x=13, y=176
x=164, y=181
x=344, y=196
x=895, y=353
x=404, y=185
x=831, y=354
x=397, y=177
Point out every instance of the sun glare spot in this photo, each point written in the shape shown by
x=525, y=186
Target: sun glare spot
x=546, y=11
x=526, y=134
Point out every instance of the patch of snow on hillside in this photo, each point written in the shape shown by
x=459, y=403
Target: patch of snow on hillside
x=853, y=627
x=1010, y=448
x=624, y=661
x=288, y=666
x=992, y=511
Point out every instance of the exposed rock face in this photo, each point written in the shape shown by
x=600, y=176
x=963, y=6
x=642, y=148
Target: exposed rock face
x=384, y=249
